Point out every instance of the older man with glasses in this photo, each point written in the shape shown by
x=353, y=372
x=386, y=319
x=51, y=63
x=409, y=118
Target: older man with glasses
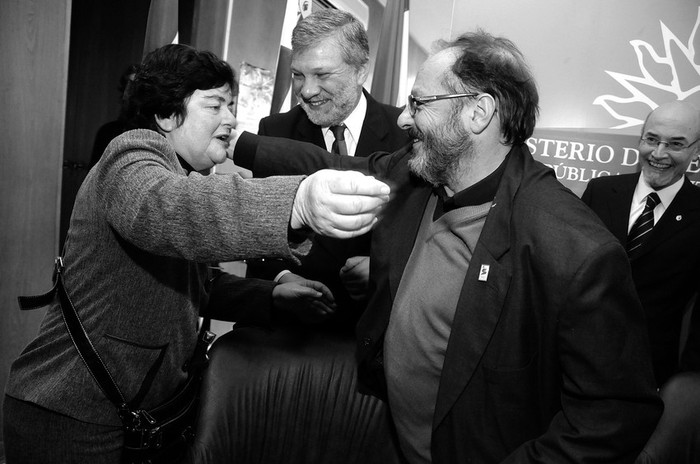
x=656, y=215
x=503, y=325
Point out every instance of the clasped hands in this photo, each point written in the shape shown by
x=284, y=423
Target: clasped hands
x=312, y=301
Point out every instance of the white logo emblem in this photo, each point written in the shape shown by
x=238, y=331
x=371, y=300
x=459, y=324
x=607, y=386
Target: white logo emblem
x=484, y=273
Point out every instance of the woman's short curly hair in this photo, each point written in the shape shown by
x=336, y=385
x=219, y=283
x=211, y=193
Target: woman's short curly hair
x=167, y=77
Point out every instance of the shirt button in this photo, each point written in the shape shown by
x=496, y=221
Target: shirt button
x=366, y=341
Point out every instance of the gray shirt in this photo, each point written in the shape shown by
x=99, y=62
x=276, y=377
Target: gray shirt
x=421, y=321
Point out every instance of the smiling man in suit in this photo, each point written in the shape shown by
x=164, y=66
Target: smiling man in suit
x=330, y=64
x=665, y=260
x=498, y=299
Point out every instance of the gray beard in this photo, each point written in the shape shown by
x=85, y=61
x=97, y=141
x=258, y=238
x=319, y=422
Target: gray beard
x=442, y=156
x=323, y=120
x=344, y=107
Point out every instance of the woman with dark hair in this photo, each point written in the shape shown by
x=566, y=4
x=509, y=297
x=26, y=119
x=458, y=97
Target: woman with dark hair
x=144, y=227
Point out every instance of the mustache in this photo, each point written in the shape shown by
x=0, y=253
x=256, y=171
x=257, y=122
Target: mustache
x=314, y=99
x=415, y=133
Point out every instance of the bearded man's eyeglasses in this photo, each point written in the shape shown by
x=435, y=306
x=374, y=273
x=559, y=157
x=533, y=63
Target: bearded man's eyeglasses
x=415, y=102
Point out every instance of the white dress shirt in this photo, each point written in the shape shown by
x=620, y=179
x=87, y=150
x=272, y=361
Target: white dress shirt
x=639, y=199
x=353, y=127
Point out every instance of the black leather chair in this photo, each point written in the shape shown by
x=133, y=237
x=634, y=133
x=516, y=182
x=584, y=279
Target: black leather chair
x=288, y=396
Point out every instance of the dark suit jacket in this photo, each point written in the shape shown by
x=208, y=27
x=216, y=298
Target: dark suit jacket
x=379, y=133
x=666, y=272
x=548, y=359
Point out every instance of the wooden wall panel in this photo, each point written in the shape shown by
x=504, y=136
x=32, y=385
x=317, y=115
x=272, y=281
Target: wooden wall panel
x=33, y=80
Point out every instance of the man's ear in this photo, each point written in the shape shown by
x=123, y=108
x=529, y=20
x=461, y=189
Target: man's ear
x=362, y=73
x=483, y=112
x=167, y=124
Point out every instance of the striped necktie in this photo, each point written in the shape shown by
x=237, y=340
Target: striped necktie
x=643, y=225
x=339, y=147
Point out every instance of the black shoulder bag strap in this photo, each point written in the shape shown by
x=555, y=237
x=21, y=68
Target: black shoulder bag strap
x=82, y=342
x=77, y=333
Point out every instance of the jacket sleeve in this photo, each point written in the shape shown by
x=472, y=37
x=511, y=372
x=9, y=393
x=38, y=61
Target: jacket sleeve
x=690, y=360
x=195, y=217
x=273, y=156
x=239, y=299
x=609, y=403
x=262, y=127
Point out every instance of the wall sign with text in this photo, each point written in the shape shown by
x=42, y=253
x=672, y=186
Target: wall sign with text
x=579, y=155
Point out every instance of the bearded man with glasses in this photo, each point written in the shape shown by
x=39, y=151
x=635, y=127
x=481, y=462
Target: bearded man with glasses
x=502, y=325
x=665, y=266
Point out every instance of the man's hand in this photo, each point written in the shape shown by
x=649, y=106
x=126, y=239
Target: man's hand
x=355, y=277
x=308, y=300
x=340, y=204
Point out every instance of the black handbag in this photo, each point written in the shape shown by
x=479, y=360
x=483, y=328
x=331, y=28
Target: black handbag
x=158, y=435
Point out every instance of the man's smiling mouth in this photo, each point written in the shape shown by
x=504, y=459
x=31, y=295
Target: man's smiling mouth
x=657, y=165
x=316, y=103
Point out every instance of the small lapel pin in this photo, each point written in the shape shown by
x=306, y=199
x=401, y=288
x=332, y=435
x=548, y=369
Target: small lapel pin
x=484, y=272
x=679, y=217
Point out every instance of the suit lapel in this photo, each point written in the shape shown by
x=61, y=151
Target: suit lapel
x=483, y=293
x=619, y=205
x=415, y=200
x=683, y=212
x=374, y=128
x=478, y=312
x=307, y=131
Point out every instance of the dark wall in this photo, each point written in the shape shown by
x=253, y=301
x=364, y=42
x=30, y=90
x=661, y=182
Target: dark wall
x=105, y=37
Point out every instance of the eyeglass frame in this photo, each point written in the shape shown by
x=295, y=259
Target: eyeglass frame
x=415, y=102
x=645, y=141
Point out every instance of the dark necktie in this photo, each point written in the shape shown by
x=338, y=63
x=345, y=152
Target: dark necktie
x=339, y=147
x=643, y=225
